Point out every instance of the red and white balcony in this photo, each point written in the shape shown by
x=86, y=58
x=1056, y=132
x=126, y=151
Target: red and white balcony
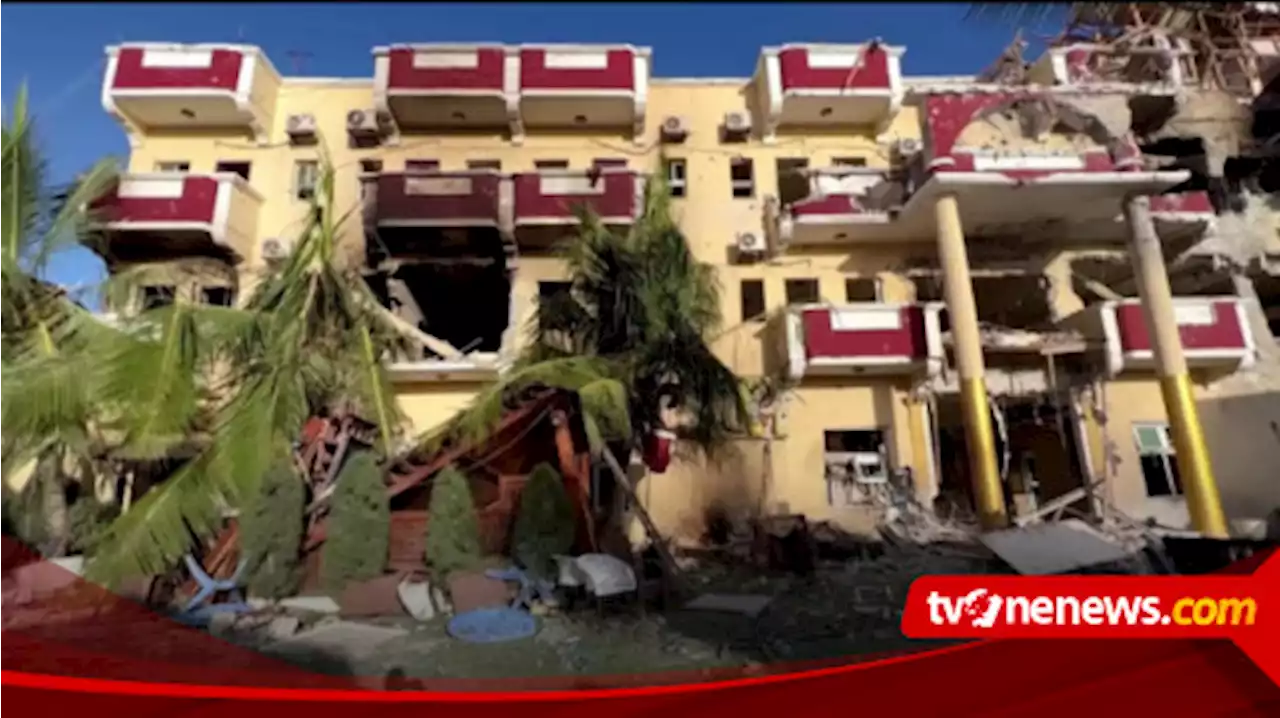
x=445, y=86
x=844, y=203
x=179, y=87
x=168, y=213
x=581, y=86
x=976, y=149
x=829, y=85
x=1087, y=67
x=1215, y=334
x=864, y=338
x=1214, y=331
x=463, y=200
x=549, y=197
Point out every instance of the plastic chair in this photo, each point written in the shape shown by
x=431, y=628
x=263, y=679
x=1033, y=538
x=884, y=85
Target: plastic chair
x=196, y=612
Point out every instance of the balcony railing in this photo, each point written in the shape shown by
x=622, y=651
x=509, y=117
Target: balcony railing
x=824, y=85
x=860, y=338
x=440, y=199
x=550, y=197
x=444, y=85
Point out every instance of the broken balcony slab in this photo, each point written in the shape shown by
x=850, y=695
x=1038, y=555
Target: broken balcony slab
x=1046, y=549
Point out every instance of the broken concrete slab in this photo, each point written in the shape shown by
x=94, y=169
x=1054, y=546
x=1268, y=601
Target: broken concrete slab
x=341, y=639
x=282, y=627
x=314, y=604
x=747, y=604
x=1046, y=549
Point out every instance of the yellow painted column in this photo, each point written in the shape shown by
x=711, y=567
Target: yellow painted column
x=1194, y=466
x=979, y=439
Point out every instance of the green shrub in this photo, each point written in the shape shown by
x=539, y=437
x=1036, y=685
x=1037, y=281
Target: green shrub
x=544, y=522
x=271, y=534
x=453, y=532
x=357, y=535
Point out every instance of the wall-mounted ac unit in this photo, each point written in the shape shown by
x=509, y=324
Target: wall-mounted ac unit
x=751, y=244
x=363, y=123
x=301, y=126
x=737, y=124
x=674, y=129
x=275, y=249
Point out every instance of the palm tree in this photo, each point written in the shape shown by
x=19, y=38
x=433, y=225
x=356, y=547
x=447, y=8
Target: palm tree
x=630, y=337
x=311, y=338
x=48, y=412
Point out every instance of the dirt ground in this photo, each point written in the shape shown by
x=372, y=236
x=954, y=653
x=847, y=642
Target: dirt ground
x=846, y=608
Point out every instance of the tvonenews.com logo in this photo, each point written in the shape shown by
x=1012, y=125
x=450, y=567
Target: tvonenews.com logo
x=981, y=608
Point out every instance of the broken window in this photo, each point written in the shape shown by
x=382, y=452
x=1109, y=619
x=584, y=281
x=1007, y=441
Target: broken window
x=676, y=177
x=753, y=306
x=742, y=177
x=793, y=184
x=852, y=459
x=216, y=296
x=157, y=295
x=422, y=165
x=1013, y=302
x=551, y=296
x=237, y=168
x=494, y=165
x=173, y=166
x=802, y=291
x=862, y=289
x=305, y=175
x=1157, y=458
x=551, y=165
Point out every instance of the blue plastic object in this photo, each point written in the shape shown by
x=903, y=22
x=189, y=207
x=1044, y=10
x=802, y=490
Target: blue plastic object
x=492, y=625
x=201, y=608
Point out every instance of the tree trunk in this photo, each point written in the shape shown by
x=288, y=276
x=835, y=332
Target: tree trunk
x=53, y=504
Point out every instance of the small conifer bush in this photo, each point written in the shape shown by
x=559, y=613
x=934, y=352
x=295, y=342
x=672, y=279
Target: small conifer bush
x=453, y=531
x=544, y=522
x=271, y=533
x=358, y=532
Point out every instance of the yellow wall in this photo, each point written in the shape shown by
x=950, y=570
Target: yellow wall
x=711, y=218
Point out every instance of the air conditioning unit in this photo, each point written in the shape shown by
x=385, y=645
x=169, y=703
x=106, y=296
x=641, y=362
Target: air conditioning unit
x=908, y=147
x=363, y=123
x=301, y=126
x=275, y=249
x=674, y=129
x=737, y=123
x=751, y=244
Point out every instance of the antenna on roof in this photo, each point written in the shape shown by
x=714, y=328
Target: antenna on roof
x=299, y=60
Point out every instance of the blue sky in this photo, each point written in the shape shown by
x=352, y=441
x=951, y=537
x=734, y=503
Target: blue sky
x=58, y=49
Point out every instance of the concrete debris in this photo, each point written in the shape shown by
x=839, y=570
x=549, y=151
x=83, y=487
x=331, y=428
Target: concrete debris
x=1046, y=549
x=313, y=604
x=421, y=599
x=282, y=627
x=750, y=605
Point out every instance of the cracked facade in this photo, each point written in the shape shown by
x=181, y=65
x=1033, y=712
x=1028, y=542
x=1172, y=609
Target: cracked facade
x=817, y=189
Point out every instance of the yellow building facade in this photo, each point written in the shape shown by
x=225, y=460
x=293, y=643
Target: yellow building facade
x=813, y=187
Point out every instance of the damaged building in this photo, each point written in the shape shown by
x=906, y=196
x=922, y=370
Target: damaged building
x=931, y=281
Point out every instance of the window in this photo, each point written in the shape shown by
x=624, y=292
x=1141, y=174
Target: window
x=849, y=161
x=609, y=162
x=753, y=306
x=742, y=176
x=1156, y=456
x=494, y=165
x=793, y=185
x=802, y=291
x=370, y=166
x=862, y=289
x=422, y=165
x=551, y=165
x=156, y=296
x=677, y=177
x=853, y=459
x=216, y=296
x=305, y=175
x=173, y=166
x=237, y=168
